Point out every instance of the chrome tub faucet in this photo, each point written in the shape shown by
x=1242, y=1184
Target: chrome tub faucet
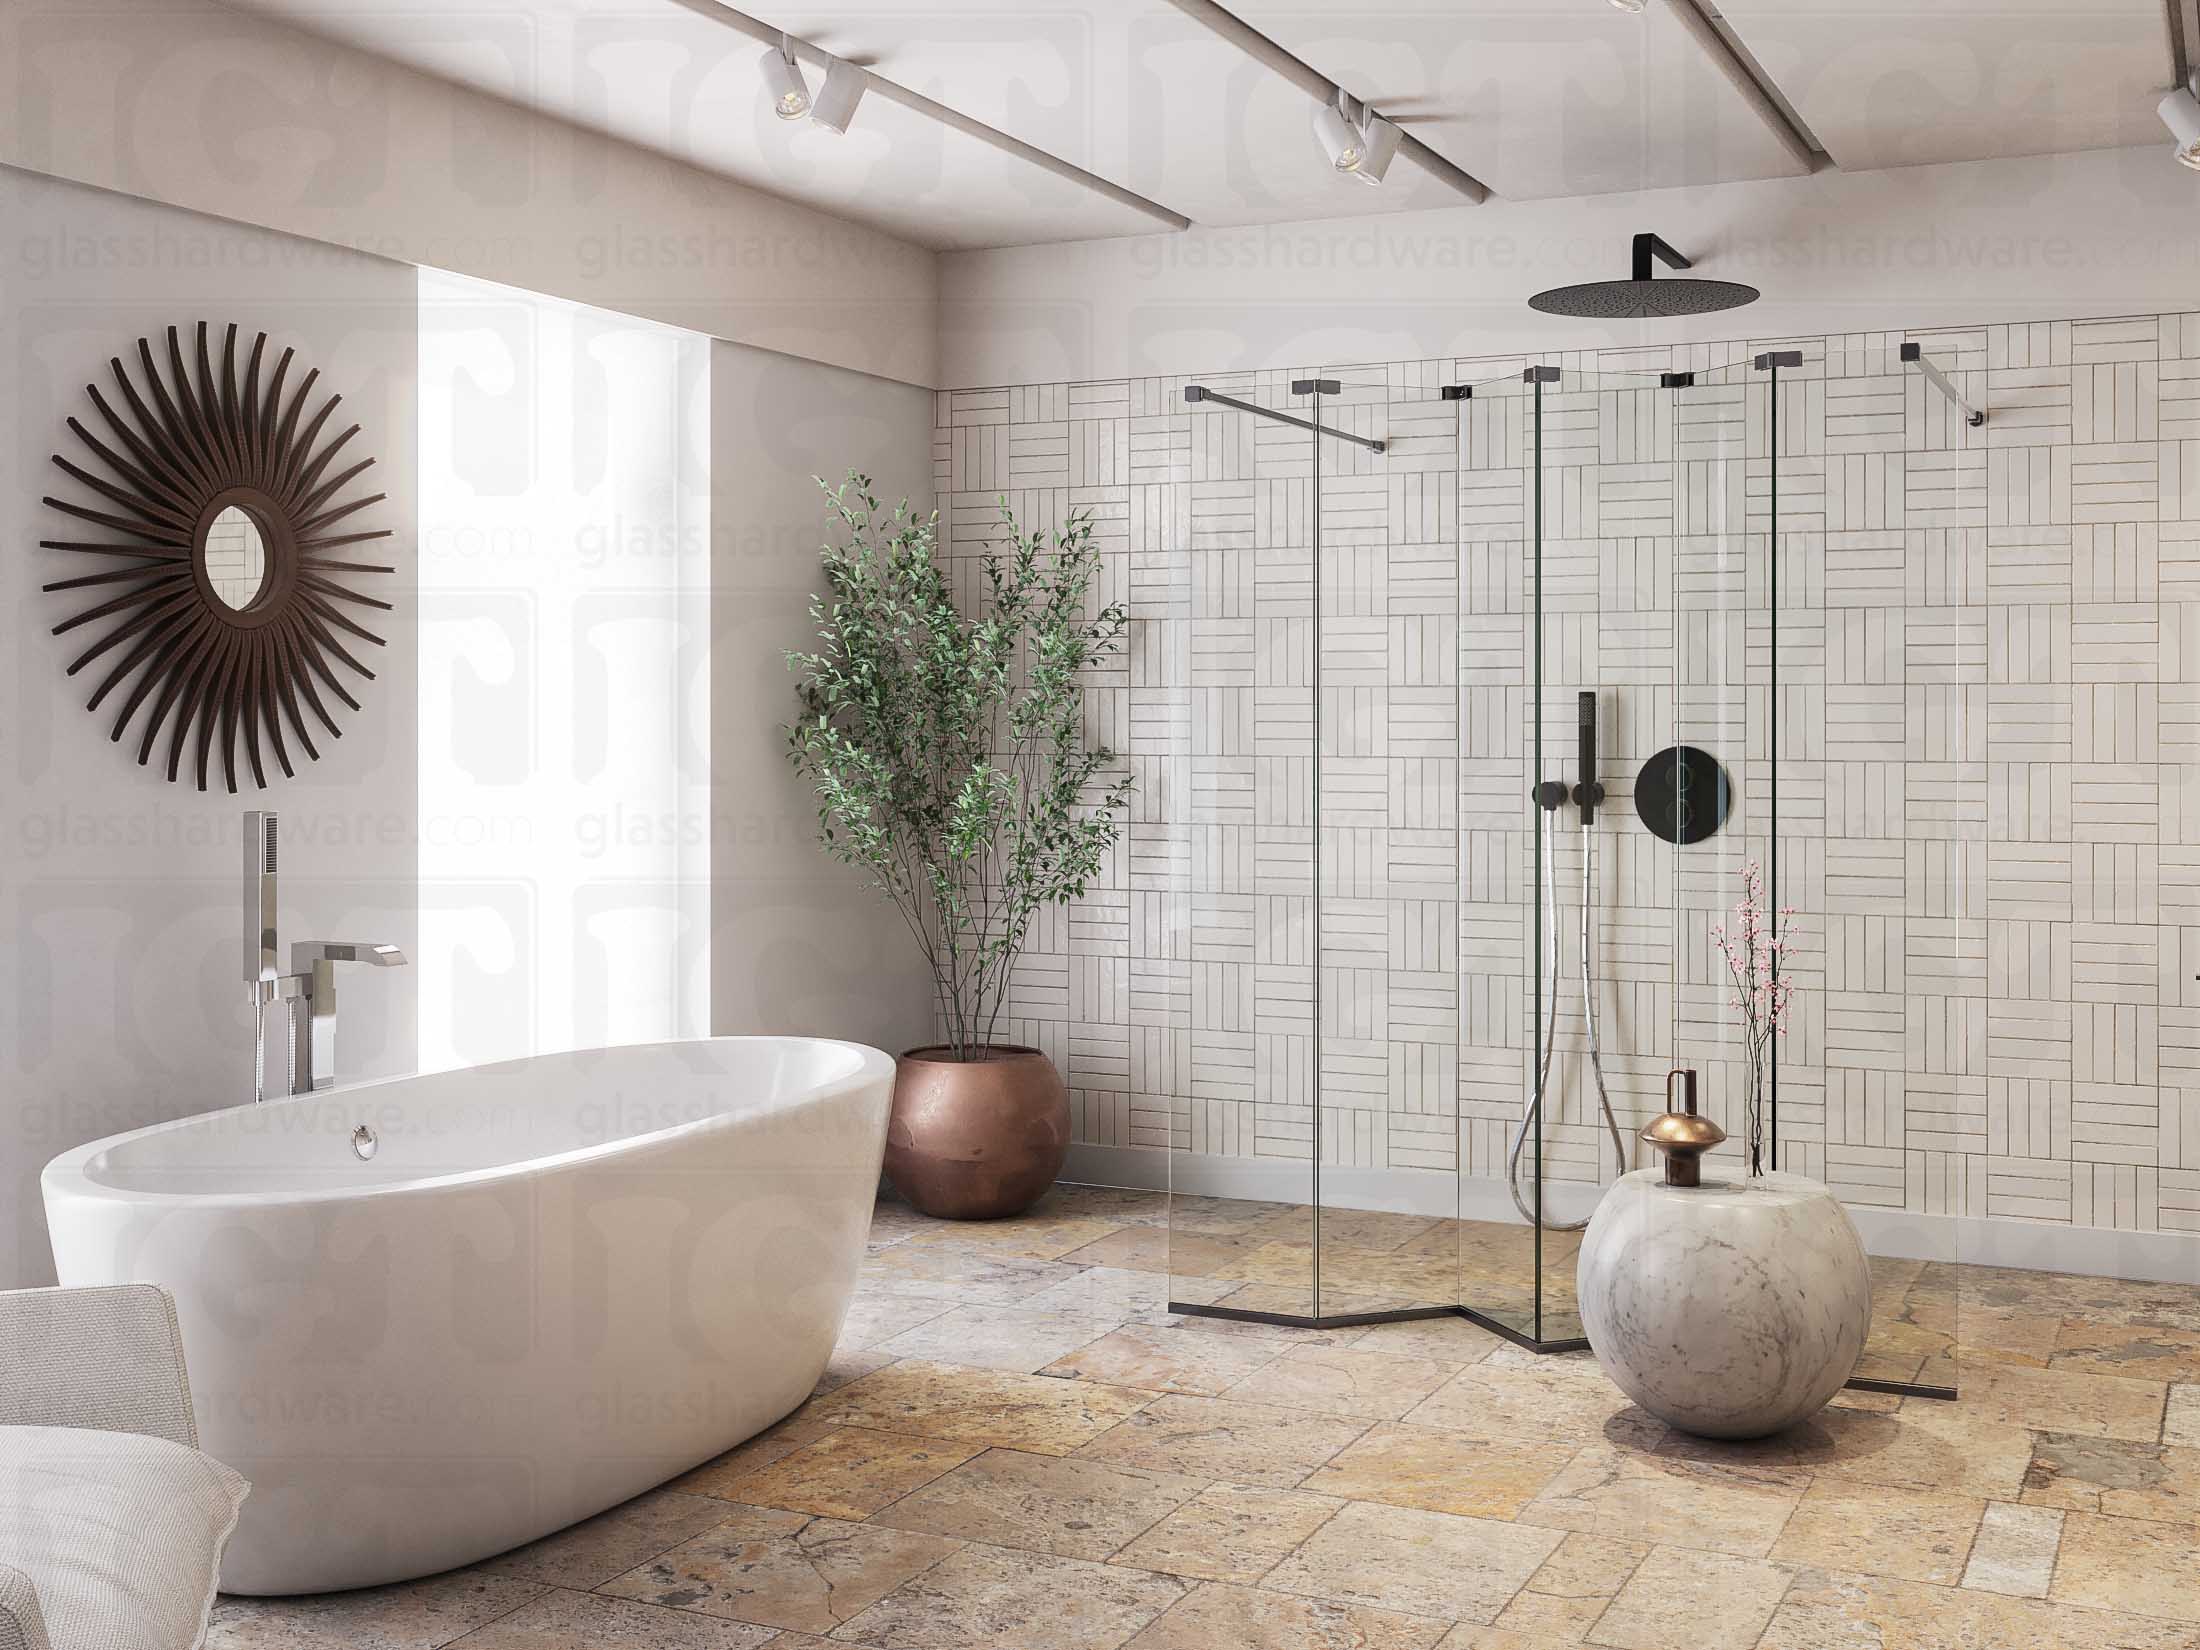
x=303, y=1041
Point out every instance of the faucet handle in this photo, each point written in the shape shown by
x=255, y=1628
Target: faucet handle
x=305, y=953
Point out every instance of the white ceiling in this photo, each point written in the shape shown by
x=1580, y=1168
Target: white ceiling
x=1904, y=82
x=1534, y=97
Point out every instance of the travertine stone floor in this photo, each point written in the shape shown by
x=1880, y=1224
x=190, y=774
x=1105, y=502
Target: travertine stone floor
x=1018, y=1448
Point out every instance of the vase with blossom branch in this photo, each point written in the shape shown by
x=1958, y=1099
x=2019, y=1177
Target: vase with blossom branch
x=1755, y=946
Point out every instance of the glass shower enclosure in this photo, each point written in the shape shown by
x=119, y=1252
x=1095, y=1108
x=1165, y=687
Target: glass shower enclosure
x=1483, y=739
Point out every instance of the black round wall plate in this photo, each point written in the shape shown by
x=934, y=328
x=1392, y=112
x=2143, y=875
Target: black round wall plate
x=1683, y=794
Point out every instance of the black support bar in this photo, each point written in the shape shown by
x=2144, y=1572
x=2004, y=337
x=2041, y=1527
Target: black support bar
x=1200, y=392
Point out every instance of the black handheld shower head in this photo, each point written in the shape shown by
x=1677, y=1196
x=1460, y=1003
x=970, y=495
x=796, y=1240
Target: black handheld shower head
x=1644, y=296
x=1587, y=792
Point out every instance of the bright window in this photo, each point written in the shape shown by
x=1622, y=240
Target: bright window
x=564, y=676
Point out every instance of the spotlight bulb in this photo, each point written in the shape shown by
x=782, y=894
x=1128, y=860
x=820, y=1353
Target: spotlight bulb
x=1339, y=138
x=1632, y=7
x=790, y=93
x=2180, y=112
x=1380, y=139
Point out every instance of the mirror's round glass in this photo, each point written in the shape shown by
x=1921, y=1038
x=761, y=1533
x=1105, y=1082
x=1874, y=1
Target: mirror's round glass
x=236, y=560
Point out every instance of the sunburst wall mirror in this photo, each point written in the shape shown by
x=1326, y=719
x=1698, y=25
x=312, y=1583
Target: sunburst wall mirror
x=229, y=628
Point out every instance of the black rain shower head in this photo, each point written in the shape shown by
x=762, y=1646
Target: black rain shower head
x=1643, y=296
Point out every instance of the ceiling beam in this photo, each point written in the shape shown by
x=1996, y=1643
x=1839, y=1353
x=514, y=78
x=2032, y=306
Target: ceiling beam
x=1748, y=78
x=892, y=92
x=1321, y=88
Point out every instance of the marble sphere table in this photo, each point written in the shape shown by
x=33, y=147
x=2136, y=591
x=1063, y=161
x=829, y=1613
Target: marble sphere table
x=1733, y=1309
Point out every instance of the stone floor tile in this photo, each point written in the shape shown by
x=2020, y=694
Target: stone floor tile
x=561, y=1620
x=1370, y=1231
x=874, y=1318
x=1926, y=1444
x=1230, y=1532
x=2074, y=1295
x=2143, y=1352
x=1469, y=1636
x=1421, y=1563
x=1344, y=1380
x=1123, y=1204
x=1228, y=1216
x=781, y=1569
x=1296, y=1300
x=1068, y=1506
x=613, y=1542
x=1449, y=1339
x=2130, y=1564
x=848, y=1472
x=2014, y=1551
x=980, y=1406
x=1169, y=1360
x=2061, y=1400
x=1549, y=1618
x=2108, y=1475
x=1120, y=1293
x=1914, y=1535
x=1027, y=1237
x=961, y=1277
x=989, y=1598
x=1589, y=1566
x=1703, y=1600
x=1166, y=1252
x=410, y=1615
x=774, y=1442
x=1827, y=1610
x=1243, y=1329
x=1211, y=1438
x=2181, y=1423
x=1415, y=1466
x=997, y=1337
x=1684, y=1503
x=891, y=1222
x=1511, y=1395
x=849, y=1364
x=1244, y=1618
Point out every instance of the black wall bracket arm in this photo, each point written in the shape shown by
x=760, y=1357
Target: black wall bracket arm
x=1648, y=246
x=1915, y=355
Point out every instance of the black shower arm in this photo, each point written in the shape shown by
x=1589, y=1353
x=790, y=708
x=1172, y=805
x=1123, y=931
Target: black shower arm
x=1647, y=245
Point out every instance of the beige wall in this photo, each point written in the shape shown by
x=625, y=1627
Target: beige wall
x=799, y=944
x=2113, y=232
x=121, y=995
x=232, y=114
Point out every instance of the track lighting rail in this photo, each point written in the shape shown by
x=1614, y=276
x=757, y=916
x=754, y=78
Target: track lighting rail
x=1304, y=386
x=1320, y=88
x=1915, y=355
x=757, y=29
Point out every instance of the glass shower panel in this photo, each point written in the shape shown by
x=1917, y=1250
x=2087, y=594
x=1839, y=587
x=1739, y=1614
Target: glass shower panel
x=1388, y=610
x=1617, y=808
x=1699, y=807
x=1242, y=1160
x=1500, y=934
x=1611, y=638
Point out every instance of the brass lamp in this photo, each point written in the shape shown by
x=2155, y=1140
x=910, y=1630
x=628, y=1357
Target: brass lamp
x=1682, y=1134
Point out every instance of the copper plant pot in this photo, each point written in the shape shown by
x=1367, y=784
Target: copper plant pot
x=976, y=1139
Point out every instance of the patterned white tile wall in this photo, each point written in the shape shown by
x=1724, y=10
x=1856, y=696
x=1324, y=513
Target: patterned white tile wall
x=1988, y=717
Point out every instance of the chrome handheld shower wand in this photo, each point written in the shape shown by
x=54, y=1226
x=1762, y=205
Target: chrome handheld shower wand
x=1550, y=796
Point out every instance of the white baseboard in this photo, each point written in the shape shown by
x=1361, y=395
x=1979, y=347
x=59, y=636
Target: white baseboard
x=2026, y=1245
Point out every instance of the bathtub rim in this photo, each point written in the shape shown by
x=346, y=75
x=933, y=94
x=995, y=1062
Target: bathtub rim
x=67, y=1175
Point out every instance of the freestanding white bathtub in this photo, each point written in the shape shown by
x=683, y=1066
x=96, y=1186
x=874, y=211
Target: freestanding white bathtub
x=554, y=1283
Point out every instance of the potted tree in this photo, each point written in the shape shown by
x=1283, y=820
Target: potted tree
x=949, y=757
